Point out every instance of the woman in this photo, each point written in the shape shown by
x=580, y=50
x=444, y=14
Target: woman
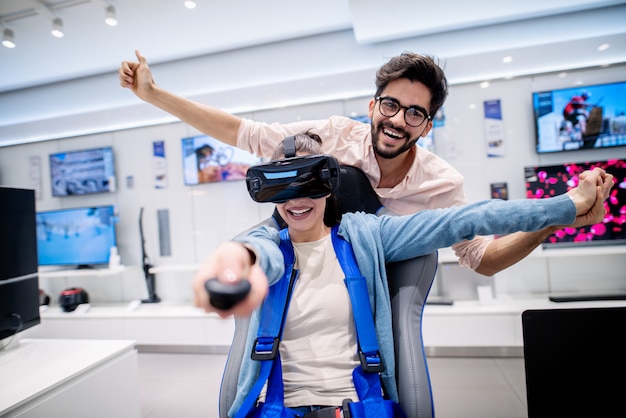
x=318, y=348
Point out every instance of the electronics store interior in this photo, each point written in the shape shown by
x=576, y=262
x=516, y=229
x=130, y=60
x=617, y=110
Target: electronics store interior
x=110, y=203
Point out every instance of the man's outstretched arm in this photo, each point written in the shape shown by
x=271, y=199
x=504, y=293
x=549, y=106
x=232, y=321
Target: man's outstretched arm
x=217, y=123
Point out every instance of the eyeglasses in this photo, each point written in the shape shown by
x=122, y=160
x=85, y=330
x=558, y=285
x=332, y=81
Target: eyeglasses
x=413, y=116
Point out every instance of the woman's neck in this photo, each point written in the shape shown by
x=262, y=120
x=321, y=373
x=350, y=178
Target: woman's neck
x=309, y=235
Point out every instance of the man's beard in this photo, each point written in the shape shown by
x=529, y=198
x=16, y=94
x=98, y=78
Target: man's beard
x=383, y=153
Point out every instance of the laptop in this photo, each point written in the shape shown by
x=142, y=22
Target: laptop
x=575, y=362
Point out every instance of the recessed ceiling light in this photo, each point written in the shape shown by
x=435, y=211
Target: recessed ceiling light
x=604, y=47
x=190, y=4
x=507, y=59
x=484, y=84
x=562, y=74
x=8, y=38
x=110, y=16
x=57, y=27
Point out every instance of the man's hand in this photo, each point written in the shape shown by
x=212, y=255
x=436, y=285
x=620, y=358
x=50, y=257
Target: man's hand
x=593, y=189
x=137, y=76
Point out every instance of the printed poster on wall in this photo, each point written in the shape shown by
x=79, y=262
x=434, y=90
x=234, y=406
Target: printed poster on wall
x=494, y=129
x=34, y=172
x=160, y=165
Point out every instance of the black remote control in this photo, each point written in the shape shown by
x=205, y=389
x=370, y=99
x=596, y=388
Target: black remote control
x=224, y=296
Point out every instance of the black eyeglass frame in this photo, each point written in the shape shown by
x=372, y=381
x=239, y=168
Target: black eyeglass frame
x=379, y=99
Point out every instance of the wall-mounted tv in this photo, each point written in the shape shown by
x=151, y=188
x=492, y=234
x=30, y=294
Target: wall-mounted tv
x=585, y=117
x=553, y=180
x=82, y=237
x=82, y=172
x=207, y=160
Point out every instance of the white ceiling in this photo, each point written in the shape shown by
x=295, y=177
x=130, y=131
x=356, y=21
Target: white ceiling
x=352, y=36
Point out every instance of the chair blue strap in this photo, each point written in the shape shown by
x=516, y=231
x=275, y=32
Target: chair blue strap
x=369, y=353
x=272, y=318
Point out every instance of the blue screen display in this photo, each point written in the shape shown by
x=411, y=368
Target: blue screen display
x=80, y=236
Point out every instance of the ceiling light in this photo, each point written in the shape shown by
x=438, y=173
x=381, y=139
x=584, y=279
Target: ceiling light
x=507, y=59
x=8, y=38
x=190, y=4
x=603, y=47
x=110, y=17
x=484, y=84
x=57, y=28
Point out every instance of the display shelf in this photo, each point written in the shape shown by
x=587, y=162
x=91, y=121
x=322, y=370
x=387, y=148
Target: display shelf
x=446, y=255
x=175, y=326
x=173, y=268
x=182, y=327
x=44, y=273
x=579, y=251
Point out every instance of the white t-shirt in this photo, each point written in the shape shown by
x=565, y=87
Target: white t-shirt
x=318, y=349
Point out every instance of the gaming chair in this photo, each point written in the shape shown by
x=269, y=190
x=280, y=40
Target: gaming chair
x=409, y=284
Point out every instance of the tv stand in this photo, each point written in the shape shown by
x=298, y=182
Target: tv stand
x=586, y=297
x=84, y=267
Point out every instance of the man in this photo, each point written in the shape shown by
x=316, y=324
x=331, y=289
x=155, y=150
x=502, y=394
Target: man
x=410, y=90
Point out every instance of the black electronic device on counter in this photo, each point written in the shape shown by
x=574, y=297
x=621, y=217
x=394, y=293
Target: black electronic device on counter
x=150, y=278
x=69, y=299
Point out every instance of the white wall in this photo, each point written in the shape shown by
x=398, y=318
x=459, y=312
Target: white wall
x=204, y=215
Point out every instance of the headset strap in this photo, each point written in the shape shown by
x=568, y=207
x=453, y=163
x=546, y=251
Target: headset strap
x=289, y=146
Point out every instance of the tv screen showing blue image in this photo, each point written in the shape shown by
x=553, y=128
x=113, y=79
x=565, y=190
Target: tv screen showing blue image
x=79, y=236
x=82, y=172
x=586, y=117
x=207, y=160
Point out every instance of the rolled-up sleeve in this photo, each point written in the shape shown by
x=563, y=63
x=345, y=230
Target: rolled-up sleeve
x=470, y=252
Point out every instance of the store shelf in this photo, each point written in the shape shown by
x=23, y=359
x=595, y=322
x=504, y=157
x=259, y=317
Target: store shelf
x=446, y=255
x=81, y=272
x=174, y=268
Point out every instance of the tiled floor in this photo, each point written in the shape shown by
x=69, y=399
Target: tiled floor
x=187, y=386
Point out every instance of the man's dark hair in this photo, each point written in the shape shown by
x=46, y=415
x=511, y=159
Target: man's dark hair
x=415, y=67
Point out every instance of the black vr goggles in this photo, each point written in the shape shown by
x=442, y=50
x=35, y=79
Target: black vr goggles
x=310, y=176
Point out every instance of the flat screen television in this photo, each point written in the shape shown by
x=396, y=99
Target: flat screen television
x=585, y=117
x=82, y=172
x=553, y=180
x=81, y=237
x=207, y=160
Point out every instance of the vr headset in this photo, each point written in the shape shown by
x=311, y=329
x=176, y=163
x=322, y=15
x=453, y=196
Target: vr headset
x=310, y=176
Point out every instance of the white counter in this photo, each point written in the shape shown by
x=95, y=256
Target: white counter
x=70, y=379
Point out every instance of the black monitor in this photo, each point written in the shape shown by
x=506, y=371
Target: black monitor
x=575, y=360
x=19, y=305
x=19, y=284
